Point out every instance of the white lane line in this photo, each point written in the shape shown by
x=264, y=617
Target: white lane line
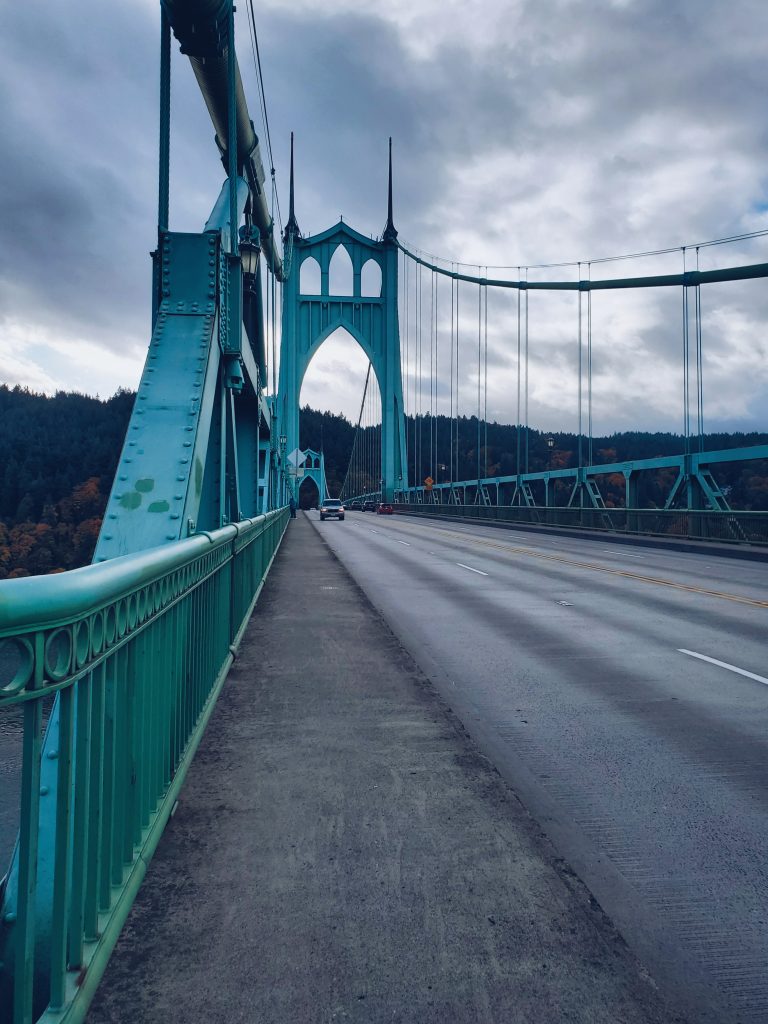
x=724, y=664
x=374, y=531
x=478, y=571
x=405, y=542
x=623, y=554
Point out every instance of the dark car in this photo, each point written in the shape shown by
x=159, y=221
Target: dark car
x=332, y=508
x=384, y=509
x=369, y=506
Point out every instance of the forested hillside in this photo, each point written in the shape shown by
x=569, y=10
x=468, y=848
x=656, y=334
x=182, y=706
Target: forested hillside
x=58, y=457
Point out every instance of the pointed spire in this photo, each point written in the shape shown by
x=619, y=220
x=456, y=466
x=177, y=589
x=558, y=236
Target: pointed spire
x=292, y=226
x=390, y=234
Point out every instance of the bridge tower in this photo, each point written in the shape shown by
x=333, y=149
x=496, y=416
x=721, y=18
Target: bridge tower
x=309, y=319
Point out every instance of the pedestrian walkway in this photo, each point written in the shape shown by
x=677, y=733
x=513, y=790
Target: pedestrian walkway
x=342, y=852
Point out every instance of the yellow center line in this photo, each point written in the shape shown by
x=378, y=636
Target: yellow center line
x=510, y=549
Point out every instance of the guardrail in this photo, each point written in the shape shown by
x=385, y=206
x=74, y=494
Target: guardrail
x=136, y=649
x=685, y=524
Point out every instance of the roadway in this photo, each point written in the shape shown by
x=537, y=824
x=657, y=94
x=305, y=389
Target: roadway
x=623, y=693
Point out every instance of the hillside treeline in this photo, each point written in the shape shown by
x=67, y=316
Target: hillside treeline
x=58, y=456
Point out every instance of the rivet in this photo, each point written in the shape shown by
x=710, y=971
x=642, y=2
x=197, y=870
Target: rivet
x=52, y=755
x=131, y=443
x=184, y=461
x=178, y=497
x=170, y=536
x=181, y=478
x=107, y=536
x=113, y=515
x=166, y=291
x=187, y=444
x=174, y=515
x=44, y=791
x=142, y=398
x=10, y=917
x=123, y=477
x=118, y=496
x=189, y=428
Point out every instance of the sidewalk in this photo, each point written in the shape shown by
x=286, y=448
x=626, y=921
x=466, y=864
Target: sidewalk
x=342, y=852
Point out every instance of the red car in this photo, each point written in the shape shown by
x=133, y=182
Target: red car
x=384, y=509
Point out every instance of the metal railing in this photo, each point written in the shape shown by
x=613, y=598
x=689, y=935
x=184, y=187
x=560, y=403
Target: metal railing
x=136, y=650
x=686, y=524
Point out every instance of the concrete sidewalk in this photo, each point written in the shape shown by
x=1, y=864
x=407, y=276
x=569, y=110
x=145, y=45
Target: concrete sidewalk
x=342, y=852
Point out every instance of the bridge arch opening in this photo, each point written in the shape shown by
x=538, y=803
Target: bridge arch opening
x=309, y=497
x=340, y=274
x=370, y=280
x=309, y=278
x=330, y=399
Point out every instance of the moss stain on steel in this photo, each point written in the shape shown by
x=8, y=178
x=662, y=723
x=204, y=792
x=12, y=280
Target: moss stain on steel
x=159, y=506
x=131, y=500
x=145, y=485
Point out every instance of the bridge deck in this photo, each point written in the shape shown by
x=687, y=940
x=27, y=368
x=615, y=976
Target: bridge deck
x=341, y=851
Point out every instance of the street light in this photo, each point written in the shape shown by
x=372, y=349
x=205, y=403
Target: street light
x=249, y=256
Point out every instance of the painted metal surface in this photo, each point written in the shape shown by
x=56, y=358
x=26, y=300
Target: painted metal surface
x=372, y=321
x=136, y=650
x=689, y=524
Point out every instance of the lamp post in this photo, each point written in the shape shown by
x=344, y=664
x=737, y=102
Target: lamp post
x=550, y=446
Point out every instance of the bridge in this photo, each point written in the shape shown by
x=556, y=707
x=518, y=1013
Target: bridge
x=329, y=791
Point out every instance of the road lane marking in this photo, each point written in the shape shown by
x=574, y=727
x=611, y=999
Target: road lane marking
x=724, y=664
x=509, y=549
x=405, y=542
x=478, y=571
x=374, y=531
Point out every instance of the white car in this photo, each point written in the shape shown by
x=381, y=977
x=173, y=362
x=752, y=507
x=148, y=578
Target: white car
x=331, y=508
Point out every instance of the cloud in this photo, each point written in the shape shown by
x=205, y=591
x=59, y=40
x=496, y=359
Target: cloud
x=524, y=133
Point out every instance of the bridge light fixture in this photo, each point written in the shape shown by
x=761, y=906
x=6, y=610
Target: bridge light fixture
x=550, y=443
x=249, y=255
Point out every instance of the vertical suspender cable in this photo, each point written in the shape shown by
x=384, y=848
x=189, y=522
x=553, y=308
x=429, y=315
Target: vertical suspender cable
x=699, y=363
x=431, y=375
x=578, y=404
x=485, y=382
x=519, y=371
x=686, y=370
x=525, y=300
x=406, y=400
x=589, y=367
x=457, y=378
x=450, y=420
x=437, y=368
x=479, y=374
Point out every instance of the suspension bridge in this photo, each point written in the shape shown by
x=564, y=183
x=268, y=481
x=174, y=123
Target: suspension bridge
x=328, y=840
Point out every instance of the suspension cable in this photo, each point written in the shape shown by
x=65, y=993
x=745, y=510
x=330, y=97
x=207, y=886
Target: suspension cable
x=357, y=430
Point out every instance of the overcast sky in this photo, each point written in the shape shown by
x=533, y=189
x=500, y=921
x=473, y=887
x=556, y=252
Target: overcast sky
x=524, y=132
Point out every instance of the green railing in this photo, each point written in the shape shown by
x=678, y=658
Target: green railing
x=136, y=650
x=725, y=527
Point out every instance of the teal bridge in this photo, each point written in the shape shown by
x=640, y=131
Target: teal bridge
x=115, y=667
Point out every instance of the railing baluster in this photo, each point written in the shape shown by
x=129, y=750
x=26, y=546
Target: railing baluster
x=80, y=817
x=95, y=805
x=62, y=848
x=28, y=830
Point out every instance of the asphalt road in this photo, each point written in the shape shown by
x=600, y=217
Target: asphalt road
x=623, y=692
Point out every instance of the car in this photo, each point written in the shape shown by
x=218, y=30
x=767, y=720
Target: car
x=331, y=508
x=369, y=506
x=384, y=509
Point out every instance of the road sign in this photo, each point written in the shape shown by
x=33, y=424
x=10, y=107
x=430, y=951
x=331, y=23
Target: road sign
x=297, y=457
